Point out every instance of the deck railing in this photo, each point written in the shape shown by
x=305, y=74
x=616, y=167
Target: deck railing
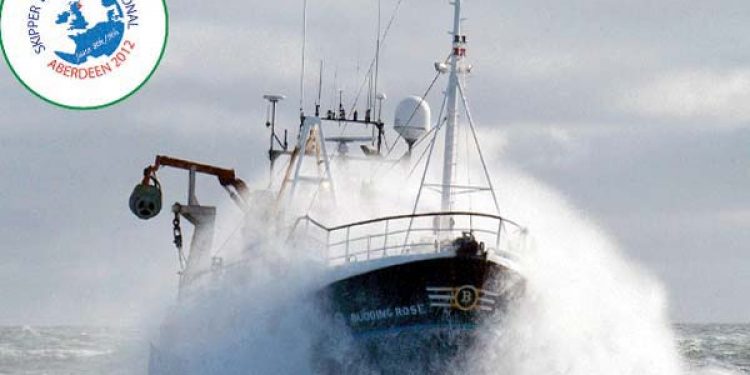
x=408, y=234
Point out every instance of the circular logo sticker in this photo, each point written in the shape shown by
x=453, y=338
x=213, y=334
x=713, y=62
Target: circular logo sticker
x=83, y=54
x=466, y=297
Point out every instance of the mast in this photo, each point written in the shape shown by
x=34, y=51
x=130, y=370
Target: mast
x=449, y=162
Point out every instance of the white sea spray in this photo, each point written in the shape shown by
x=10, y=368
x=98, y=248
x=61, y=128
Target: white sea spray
x=588, y=308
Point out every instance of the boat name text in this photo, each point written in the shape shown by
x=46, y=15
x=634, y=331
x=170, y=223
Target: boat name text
x=387, y=313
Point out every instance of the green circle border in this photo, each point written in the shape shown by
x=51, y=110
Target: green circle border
x=128, y=95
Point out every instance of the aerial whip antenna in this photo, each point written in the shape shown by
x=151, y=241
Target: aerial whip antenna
x=320, y=89
x=302, y=73
x=383, y=36
x=377, y=56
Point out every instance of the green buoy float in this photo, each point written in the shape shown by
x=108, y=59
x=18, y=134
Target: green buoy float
x=145, y=201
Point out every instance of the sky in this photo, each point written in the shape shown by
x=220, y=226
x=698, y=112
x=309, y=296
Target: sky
x=637, y=112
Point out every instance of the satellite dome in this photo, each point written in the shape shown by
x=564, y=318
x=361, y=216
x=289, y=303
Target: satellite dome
x=412, y=119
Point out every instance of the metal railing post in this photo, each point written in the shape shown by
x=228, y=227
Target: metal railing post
x=369, y=240
x=385, y=240
x=497, y=236
x=346, y=251
x=328, y=246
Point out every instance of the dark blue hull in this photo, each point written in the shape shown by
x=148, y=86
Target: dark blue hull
x=423, y=316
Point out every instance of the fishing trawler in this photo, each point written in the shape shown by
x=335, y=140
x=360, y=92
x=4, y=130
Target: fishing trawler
x=416, y=285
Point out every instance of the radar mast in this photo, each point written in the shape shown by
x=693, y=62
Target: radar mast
x=451, y=93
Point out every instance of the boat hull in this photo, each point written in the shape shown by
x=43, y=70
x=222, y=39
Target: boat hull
x=422, y=316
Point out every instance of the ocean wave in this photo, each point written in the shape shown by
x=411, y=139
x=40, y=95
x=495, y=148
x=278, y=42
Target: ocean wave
x=14, y=354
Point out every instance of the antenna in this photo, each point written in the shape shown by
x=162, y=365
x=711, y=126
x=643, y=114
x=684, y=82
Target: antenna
x=368, y=78
x=273, y=153
x=380, y=97
x=370, y=101
x=320, y=89
x=377, y=56
x=302, y=73
x=342, y=112
x=334, y=86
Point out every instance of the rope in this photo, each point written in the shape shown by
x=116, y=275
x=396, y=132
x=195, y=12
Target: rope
x=421, y=184
x=468, y=174
x=393, y=146
x=416, y=164
x=479, y=150
x=424, y=96
x=437, y=124
x=229, y=237
x=313, y=199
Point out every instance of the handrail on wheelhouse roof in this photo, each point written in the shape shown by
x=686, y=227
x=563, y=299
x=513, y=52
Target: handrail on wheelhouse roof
x=405, y=216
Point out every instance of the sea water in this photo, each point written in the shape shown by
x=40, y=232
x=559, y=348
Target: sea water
x=707, y=348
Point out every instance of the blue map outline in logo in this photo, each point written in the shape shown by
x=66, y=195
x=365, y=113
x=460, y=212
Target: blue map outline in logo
x=102, y=39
